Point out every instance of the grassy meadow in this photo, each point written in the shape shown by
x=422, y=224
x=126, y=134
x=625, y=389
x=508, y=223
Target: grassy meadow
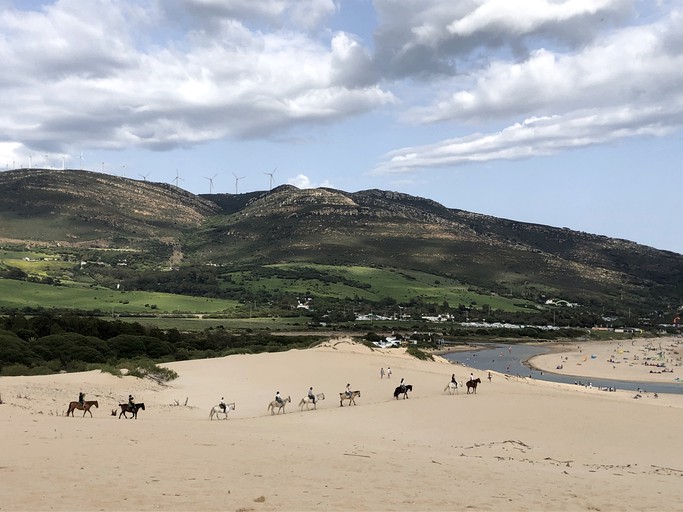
x=22, y=294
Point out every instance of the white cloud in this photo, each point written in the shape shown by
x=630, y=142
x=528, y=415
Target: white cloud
x=82, y=72
x=302, y=181
x=626, y=84
x=537, y=137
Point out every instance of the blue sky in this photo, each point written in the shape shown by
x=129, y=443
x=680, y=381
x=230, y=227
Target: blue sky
x=559, y=112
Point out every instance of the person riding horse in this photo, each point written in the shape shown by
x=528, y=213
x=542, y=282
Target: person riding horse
x=222, y=404
x=348, y=391
x=81, y=398
x=311, y=395
x=278, y=398
x=402, y=385
x=131, y=404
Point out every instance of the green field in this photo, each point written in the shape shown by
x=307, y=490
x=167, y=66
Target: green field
x=200, y=324
x=21, y=294
x=402, y=286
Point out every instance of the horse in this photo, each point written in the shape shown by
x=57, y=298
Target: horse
x=279, y=405
x=307, y=400
x=403, y=390
x=134, y=410
x=352, y=398
x=217, y=409
x=85, y=407
x=452, y=387
x=472, y=384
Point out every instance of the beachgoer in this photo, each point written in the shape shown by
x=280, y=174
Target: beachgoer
x=381, y=372
x=489, y=376
x=81, y=398
x=311, y=395
x=388, y=372
x=348, y=390
x=222, y=404
x=278, y=398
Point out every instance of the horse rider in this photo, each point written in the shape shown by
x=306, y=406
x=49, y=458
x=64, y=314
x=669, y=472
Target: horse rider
x=402, y=386
x=471, y=377
x=278, y=398
x=81, y=398
x=348, y=390
x=131, y=403
x=453, y=379
x=311, y=395
x=222, y=404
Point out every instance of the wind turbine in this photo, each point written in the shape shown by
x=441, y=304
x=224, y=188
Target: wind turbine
x=144, y=176
x=81, y=157
x=270, y=174
x=177, y=178
x=63, y=162
x=237, y=180
x=211, y=182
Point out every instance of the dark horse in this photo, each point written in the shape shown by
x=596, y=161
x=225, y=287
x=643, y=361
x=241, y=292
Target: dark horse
x=134, y=410
x=472, y=384
x=403, y=390
x=85, y=407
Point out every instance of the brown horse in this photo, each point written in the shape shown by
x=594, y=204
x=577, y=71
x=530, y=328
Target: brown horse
x=85, y=407
x=351, y=398
x=472, y=384
x=280, y=406
x=133, y=410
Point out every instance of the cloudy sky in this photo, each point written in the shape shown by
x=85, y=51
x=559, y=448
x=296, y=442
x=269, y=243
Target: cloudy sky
x=558, y=112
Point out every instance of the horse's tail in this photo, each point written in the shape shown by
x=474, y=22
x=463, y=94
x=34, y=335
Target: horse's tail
x=211, y=414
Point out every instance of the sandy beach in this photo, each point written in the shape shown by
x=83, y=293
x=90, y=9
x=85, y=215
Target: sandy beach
x=642, y=360
x=518, y=444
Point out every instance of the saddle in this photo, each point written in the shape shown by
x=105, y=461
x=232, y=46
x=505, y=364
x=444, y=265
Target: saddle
x=222, y=406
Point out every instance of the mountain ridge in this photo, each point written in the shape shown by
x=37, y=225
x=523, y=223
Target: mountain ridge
x=332, y=227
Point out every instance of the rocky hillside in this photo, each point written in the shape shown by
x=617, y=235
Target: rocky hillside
x=370, y=228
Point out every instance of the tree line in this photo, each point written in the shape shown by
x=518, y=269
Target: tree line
x=49, y=343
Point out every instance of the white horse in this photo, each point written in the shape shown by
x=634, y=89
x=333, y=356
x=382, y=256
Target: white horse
x=217, y=409
x=452, y=387
x=280, y=406
x=307, y=400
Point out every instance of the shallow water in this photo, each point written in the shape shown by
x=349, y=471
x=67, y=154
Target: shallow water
x=512, y=359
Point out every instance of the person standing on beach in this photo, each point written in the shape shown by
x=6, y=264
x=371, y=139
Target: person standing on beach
x=388, y=372
x=381, y=372
x=489, y=377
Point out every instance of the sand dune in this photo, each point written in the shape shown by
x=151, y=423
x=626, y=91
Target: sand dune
x=517, y=445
